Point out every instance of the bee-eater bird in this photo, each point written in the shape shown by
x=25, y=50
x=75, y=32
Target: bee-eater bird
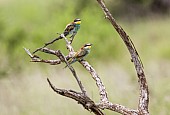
x=80, y=54
x=71, y=29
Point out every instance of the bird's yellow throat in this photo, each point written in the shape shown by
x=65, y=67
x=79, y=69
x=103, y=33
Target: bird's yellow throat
x=79, y=22
x=89, y=47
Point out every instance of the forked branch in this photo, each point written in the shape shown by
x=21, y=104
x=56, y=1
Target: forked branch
x=79, y=97
x=82, y=97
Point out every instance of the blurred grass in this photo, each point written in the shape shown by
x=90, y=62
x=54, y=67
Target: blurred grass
x=23, y=86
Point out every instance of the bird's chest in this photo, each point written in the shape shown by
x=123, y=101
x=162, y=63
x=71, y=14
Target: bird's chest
x=75, y=29
x=84, y=53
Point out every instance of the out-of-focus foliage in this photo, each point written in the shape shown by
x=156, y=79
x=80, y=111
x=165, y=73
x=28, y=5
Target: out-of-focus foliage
x=31, y=23
x=138, y=8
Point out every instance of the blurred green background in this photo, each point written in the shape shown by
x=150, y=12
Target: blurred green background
x=29, y=23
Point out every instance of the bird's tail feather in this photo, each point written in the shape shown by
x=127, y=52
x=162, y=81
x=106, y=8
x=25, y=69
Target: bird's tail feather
x=58, y=38
x=71, y=61
x=48, y=43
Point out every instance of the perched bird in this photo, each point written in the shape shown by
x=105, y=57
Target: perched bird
x=80, y=54
x=71, y=29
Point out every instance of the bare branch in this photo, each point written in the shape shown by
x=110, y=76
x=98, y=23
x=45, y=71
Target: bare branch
x=35, y=58
x=51, y=62
x=118, y=108
x=69, y=47
x=102, y=89
x=28, y=52
x=105, y=104
x=87, y=103
x=144, y=92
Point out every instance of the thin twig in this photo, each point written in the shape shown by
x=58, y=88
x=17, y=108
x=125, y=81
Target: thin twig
x=51, y=62
x=35, y=58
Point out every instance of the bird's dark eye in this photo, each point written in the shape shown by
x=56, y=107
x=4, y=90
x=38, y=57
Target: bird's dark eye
x=77, y=19
x=87, y=45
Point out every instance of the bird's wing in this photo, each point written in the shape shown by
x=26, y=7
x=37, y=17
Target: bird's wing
x=69, y=28
x=81, y=54
x=71, y=61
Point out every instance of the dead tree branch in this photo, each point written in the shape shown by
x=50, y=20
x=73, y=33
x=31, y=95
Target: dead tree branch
x=35, y=58
x=102, y=89
x=82, y=98
x=104, y=103
x=79, y=97
x=144, y=92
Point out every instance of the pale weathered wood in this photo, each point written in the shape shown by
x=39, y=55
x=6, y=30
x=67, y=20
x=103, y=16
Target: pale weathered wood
x=144, y=92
